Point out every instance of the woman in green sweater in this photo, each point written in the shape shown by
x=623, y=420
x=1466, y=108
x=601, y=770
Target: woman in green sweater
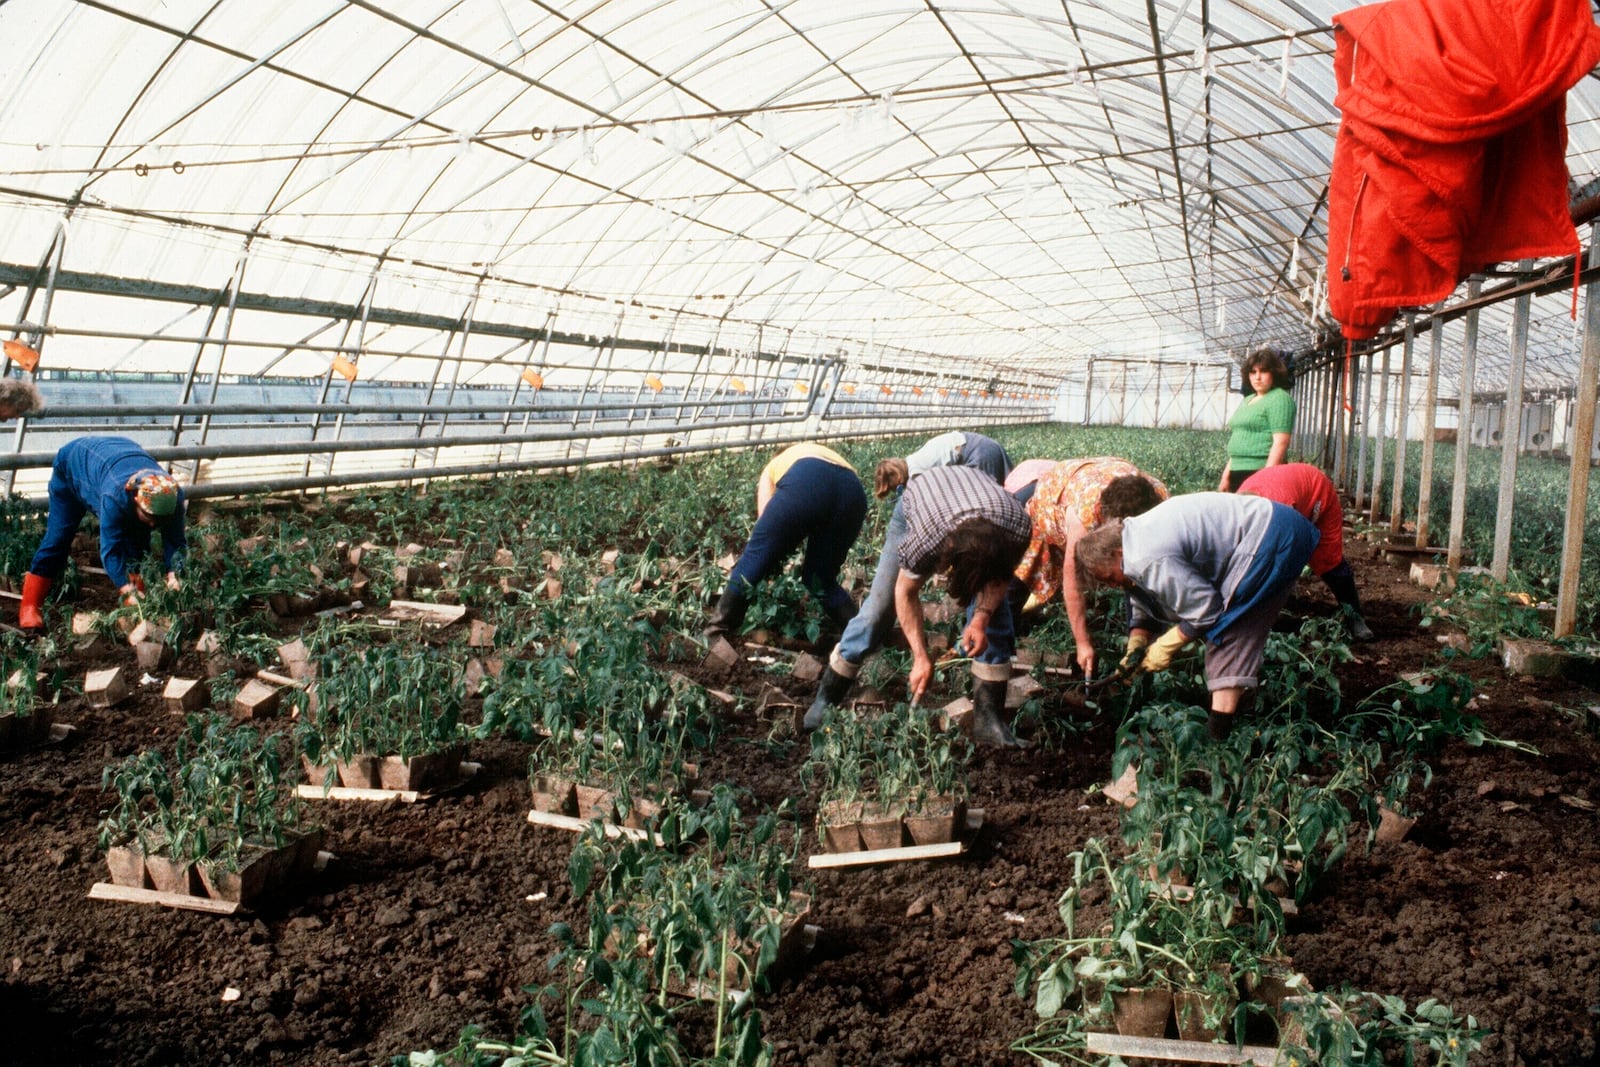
x=1263, y=423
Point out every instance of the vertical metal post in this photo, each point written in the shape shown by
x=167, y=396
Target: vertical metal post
x=1340, y=417
x=1380, y=433
x=1402, y=417
x=1088, y=389
x=1430, y=412
x=1581, y=446
x=1511, y=438
x=1363, y=371
x=49, y=266
x=1333, y=442
x=1469, y=372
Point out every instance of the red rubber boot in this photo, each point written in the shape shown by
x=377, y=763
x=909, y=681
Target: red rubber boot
x=29, y=615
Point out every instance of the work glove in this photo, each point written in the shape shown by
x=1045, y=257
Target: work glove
x=133, y=590
x=1033, y=603
x=1136, y=642
x=1158, y=657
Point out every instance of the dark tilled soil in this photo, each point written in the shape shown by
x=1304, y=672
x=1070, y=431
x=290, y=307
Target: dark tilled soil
x=435, y=915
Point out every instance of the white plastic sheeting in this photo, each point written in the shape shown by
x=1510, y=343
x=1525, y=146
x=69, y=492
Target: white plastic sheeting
x=982, y=187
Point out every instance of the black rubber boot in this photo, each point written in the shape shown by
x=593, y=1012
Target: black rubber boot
x=1341, y=581
x=841, y=614
x=727, y=616
x=1219, y=725
x=830, y=693
x=989, y=726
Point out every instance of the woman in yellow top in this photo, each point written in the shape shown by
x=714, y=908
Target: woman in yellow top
x=1262, y=424
x=1072, y=498
x=807, y=493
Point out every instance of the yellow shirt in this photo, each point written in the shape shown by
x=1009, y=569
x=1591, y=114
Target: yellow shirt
x=781, y=463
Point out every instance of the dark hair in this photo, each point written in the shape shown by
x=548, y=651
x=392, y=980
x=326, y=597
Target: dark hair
x=1097, y=550
x=1268, y=360
x=976, y=553
x=891, y=474
x=1127, y=496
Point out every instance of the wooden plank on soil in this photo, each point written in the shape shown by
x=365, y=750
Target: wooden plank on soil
x=464, y=775
x=432, y=614
x=577, y=825
x=866, y=857
x=1160, y=1048
x=350, y=792
x=128, y=894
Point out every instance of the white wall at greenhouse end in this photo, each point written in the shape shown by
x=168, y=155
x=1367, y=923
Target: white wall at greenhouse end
x=1178, y=396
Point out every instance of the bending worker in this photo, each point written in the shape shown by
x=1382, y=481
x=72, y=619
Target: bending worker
x=961, y=523
x=867, y=632
x=807, y=493
x=1072, y=498
x=130, y=494
x=1311, y=493
x=1209, y=566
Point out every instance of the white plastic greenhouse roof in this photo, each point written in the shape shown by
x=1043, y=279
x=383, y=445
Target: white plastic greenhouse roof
x=1004, y=185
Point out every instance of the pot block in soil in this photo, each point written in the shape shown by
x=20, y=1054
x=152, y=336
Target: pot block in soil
x=554, y=795
x=880, y=829
x=257, y=700
x=938, y=823
x=185, y=695
x=106, y=688
x=360, y=772
x=171, y=876
x=1191, y=1008
x=263, y=872
x=422, y=773
x=1142, y=1012
x=841, y=826
x=126, y=866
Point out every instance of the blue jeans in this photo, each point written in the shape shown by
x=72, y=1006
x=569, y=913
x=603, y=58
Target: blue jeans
x=1001, y=632
x=66, y=514
x=867, y=632
x=817, y=502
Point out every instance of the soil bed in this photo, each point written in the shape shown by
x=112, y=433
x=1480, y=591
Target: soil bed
x=434, y=915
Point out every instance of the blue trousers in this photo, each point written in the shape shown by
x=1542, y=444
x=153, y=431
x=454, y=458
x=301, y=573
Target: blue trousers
x=867, y=632
x=66, y=515
x=819, y=503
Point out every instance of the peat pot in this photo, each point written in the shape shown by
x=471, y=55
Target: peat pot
x=939, y=822
x=554, y=795
x=841, y=826
x=881, y=829
x=126, y=865
x=1142, y=1012
x=423, y=773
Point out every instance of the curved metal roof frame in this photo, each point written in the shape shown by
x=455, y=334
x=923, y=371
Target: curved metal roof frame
x=991, y=186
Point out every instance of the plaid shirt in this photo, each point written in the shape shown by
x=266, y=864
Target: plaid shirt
x=941, y=499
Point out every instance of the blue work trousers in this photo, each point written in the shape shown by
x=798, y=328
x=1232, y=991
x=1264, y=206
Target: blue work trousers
x=819, y=503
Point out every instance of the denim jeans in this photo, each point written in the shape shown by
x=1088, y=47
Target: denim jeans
x=870, y=628
x=819, y=503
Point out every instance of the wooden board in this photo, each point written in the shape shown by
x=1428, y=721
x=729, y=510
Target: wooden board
x=432, y=614
x=867, y=857
x=128, y=894
x=1160, y=1048
x=577, y=825
x=404, y=796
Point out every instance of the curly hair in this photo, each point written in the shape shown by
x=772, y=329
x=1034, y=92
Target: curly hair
x=1127, y=496
x=891, y=474
x=1268, y=360
x=1097, y=551
x=976, y=553
x=20, y=396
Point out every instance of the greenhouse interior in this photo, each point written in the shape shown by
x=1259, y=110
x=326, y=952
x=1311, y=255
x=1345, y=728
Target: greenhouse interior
x=698, y=533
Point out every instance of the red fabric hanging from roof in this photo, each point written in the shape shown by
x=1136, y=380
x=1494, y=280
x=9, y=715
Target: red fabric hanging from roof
x=1451, y=150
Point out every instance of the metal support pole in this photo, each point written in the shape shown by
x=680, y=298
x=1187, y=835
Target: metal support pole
x=1469, y=373
x=1511, y=438
x=1363, y=373
x=1430, y=413
x=1380, y=433
x=1581, y=446
x=1402, y=417
x=1088, y=389
x=1341, y=418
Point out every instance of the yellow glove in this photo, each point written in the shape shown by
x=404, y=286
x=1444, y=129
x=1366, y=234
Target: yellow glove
x=1136, y=641
x=1159, y=655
